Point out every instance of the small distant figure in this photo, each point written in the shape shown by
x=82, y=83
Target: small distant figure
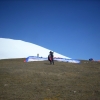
x=37, y=55
x=51, y=57
x=91, y=59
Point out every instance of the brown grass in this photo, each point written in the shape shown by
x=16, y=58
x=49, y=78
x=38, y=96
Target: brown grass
x=41, y=81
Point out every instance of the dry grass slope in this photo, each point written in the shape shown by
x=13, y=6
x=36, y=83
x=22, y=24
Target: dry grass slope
x=41, y=81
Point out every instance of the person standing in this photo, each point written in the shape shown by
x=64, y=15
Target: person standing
x=51, y=57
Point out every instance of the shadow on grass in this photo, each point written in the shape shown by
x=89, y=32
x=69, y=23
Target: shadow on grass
x=47, y=63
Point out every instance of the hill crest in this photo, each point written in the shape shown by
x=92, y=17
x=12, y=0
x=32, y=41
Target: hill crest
x=11, y=48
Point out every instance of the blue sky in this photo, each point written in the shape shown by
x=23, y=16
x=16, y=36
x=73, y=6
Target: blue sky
x=69, y=27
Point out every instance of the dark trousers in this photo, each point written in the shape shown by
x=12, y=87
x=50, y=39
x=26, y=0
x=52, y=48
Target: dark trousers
x=52, y=61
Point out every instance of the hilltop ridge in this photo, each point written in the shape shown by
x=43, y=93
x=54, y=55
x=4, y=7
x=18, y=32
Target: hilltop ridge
x=11, y=48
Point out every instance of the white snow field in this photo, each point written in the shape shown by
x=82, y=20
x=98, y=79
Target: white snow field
x=10, y=48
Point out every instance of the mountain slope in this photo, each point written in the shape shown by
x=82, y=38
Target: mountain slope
x=42, y=81
x=11, y=48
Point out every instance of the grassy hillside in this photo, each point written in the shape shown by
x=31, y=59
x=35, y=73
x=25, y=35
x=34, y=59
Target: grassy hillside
x=41, y=81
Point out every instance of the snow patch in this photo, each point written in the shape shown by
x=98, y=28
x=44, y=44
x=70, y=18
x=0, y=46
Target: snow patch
x=10, y=48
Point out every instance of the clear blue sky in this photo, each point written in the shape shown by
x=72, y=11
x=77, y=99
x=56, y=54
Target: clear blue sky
x=69, y=27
